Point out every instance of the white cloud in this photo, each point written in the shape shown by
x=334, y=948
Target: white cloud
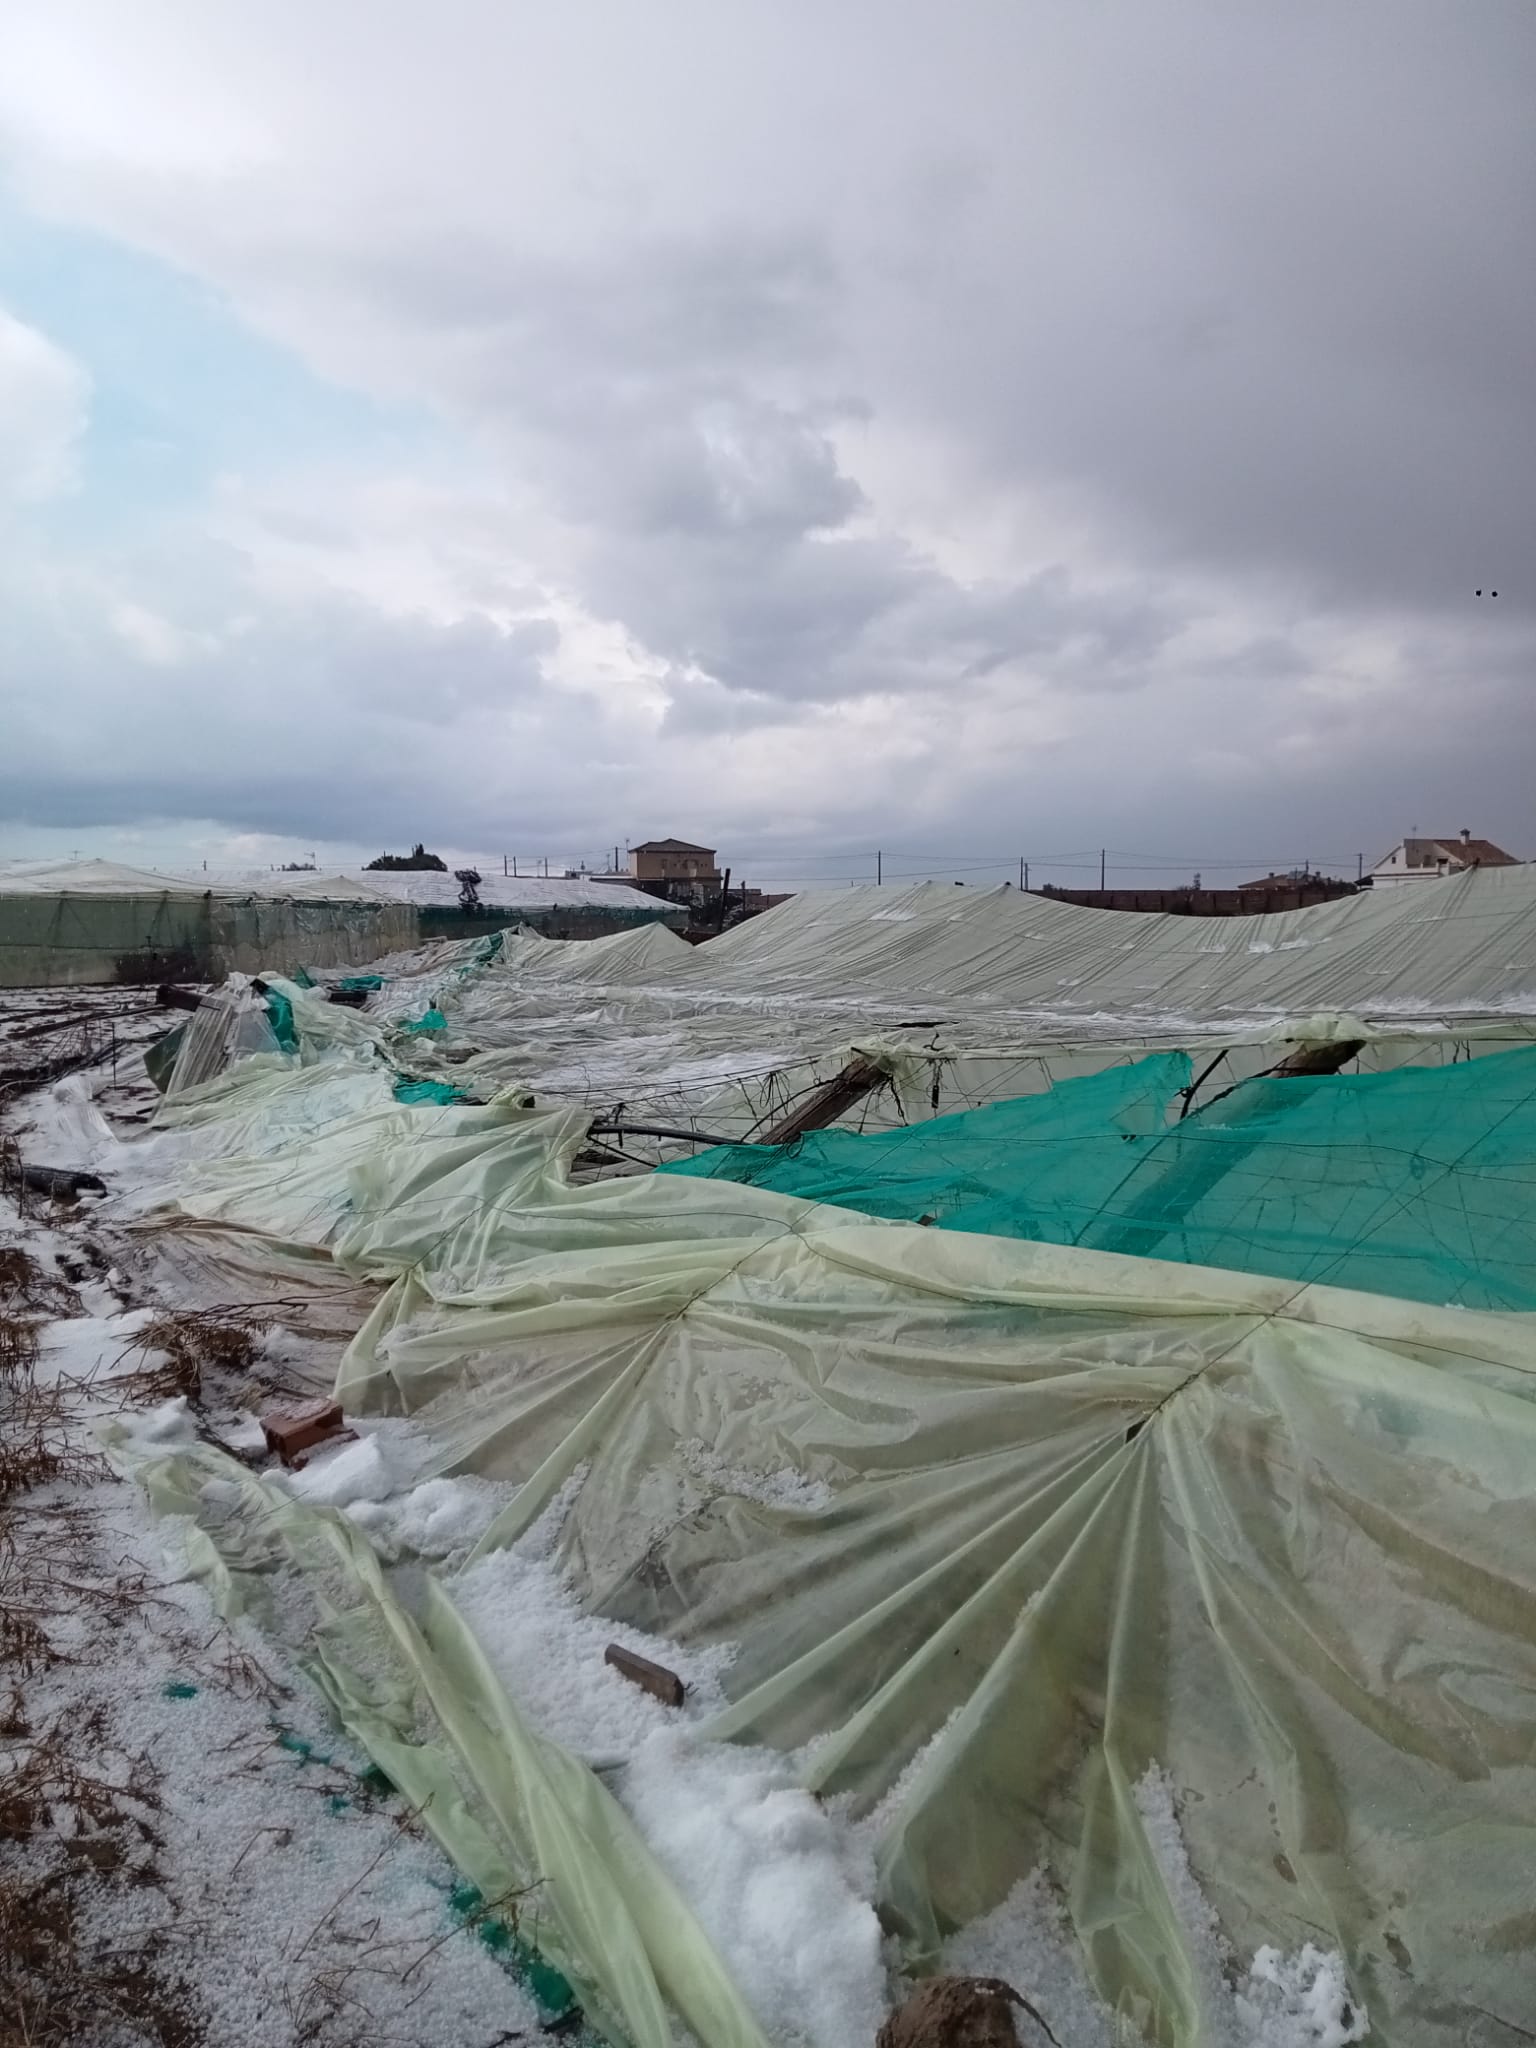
x=155, y=639
x=44, y=405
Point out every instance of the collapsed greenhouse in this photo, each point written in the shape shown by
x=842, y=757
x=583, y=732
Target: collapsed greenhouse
x=1051, y=1387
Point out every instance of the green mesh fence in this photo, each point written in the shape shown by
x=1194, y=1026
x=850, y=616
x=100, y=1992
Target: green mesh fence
x=1420, y=1182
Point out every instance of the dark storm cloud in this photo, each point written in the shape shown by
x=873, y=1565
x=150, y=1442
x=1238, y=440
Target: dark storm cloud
x=331, y=715
x=1146, y=390
x=1283, y=319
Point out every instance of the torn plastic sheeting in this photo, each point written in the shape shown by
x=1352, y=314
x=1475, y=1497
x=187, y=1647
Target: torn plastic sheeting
x=286, y=1145
x=537, y=1826
x=232, y=1023
x=1087, y=1514
x=1083, y=1513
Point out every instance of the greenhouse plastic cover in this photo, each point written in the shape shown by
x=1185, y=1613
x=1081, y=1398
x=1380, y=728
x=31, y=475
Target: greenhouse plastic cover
x=1464, y=946
x=963, y=997
x=112, y=878
x=1066, y=1516
x=1466, y=943
x=430, y=886
x=1418, y=1182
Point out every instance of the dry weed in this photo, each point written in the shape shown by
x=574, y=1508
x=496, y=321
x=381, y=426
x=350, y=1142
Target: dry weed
x=18, y=1345
x=27, y=1288
x=239, y=1673
x=328, y=2002
x=63, y=1826
x=51, y=1581
x=192, y=1342
x=37, y=1444
x=19, y=1272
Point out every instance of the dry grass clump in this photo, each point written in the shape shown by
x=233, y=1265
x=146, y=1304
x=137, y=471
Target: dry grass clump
x=55, y=1994
x=24, y=1288
x=48, y=1792
x=56, y=1607
x=19, y=1274
x=45, y=1542
x=192, y=1341
x=37, y=1445
x=27, y=1288
x=18, y=1345
x=64, y=1827
x=25, y=1645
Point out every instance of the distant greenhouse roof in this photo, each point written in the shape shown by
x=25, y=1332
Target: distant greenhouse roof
x=115, y=878
x=427, y=889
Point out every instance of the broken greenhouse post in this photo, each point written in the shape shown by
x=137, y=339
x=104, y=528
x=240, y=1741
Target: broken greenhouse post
x=1319, y=1059
x=827, y=1103
x=655, y=1679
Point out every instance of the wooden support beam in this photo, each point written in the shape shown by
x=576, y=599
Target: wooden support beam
x=824, y=1105
x=1319, y=1059
x=655, y=1679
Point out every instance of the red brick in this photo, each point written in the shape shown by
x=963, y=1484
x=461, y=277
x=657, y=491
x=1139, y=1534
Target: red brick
x=289, y=1431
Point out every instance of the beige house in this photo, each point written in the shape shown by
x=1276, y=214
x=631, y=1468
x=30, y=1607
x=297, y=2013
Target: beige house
x=1425, y=860
x=674, y=861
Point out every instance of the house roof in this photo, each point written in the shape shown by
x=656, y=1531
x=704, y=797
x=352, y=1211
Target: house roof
x=1481, y=850
x=1427, y=853
x=671, y=846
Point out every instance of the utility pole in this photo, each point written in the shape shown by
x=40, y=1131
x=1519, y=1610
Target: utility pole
x=1102, y=857
x=1021, y=873
x=1359, y=867
x=616, y=860
x=503, y=863
x=878, y=871
x=1026, y=878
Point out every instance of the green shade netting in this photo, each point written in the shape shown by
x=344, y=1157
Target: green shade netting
x=1036, y=1167
x=434, y=1020
x=1420, y=1182
x=280, y=1017
x=437, y=1092
x=360, y=981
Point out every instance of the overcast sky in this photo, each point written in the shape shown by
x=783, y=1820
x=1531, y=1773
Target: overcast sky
x=969, y=430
